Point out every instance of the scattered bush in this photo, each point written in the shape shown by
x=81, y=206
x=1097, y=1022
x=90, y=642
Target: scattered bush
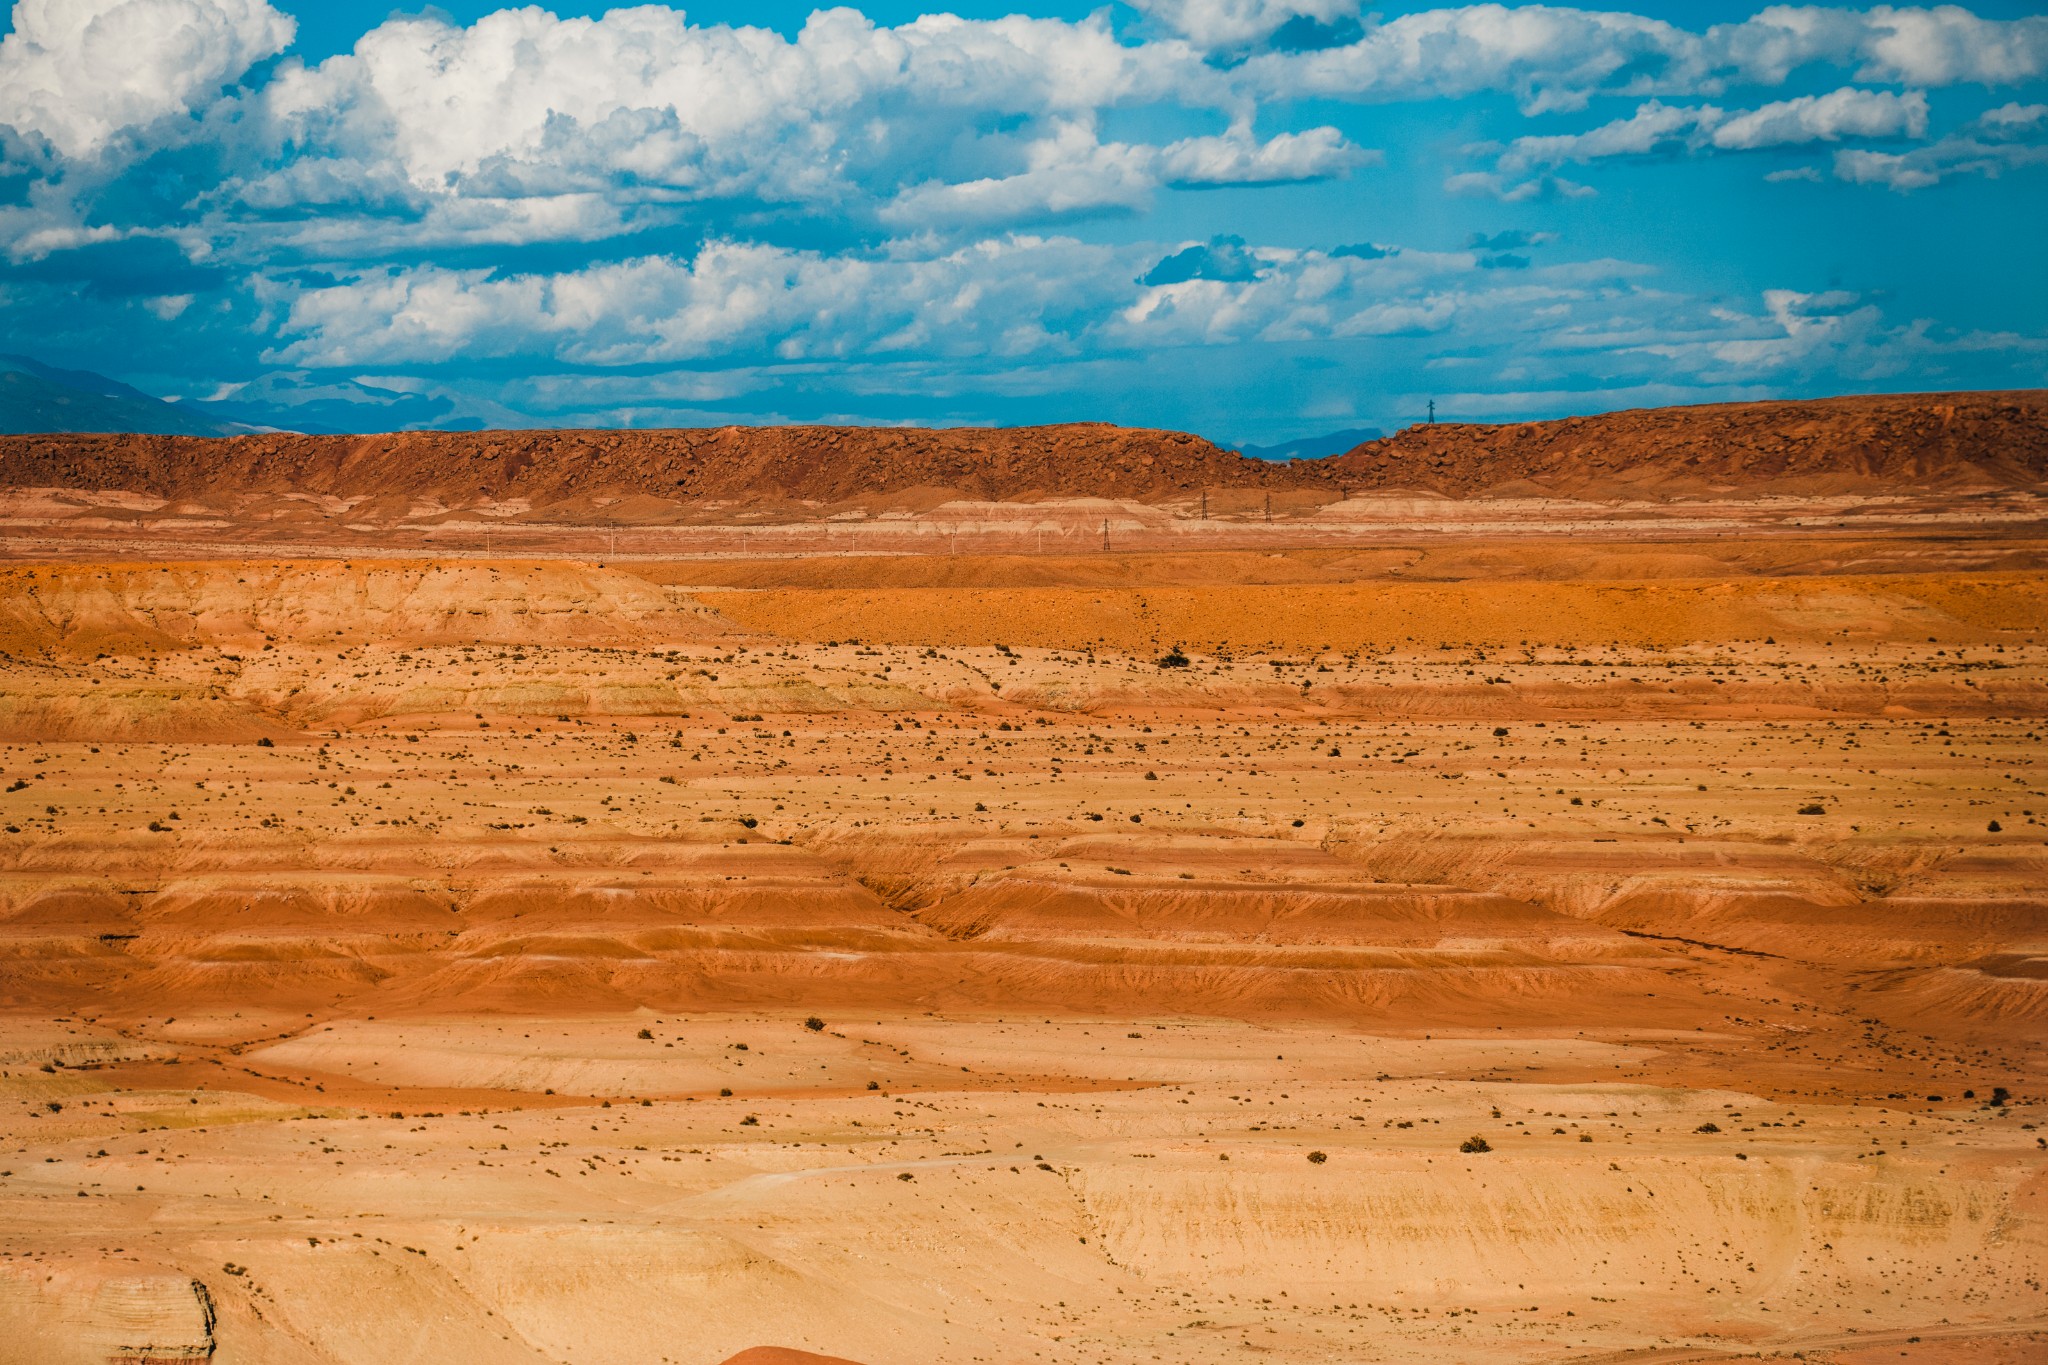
x=815, y=1024
x=1475, y=1144
x=1813, y=808
x=646, y=1033
x=1708, y=1127
x=1173, y=658
x=1317, y=1158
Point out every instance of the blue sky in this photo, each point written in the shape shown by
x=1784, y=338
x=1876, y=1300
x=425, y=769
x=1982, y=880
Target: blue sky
x=1255, y=219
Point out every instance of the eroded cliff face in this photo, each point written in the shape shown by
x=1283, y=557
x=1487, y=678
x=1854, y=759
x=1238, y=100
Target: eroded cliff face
x=62, y=1310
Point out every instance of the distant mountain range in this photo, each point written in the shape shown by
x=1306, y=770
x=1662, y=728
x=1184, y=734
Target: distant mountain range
x=35, y=397
x=1312, y=447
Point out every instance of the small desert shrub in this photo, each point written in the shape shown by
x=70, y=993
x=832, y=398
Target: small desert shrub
x=815, y=1024
x=1173, y=658
x=1708, y=1127
x=1317, y=1158
x=1475, y=1144
x=1813, y=808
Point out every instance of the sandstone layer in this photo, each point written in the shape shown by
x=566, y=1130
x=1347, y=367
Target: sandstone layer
x=1497, y=945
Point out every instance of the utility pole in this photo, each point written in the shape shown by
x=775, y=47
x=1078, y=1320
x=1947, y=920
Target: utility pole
x=1432, y=412
x=615, y=542
x=1269, y=507
x=1105, y=533
x=1205, y=504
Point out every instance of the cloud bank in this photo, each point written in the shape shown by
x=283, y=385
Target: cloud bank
x=529, y=197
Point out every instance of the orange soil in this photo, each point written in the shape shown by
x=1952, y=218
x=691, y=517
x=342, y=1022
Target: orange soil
x=407, y=959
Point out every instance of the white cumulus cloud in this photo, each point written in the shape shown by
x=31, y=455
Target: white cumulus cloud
x=1656, y=128
x=1923, y=167
x=1001, y=296
x=78, y=72
x=1557, y=58
x=523, y=97
x=1831, y=117
x=1240, y=159
x=1226, y=24
x=1948, y=45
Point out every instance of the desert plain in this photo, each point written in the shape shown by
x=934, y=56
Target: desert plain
x=1418, y=926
